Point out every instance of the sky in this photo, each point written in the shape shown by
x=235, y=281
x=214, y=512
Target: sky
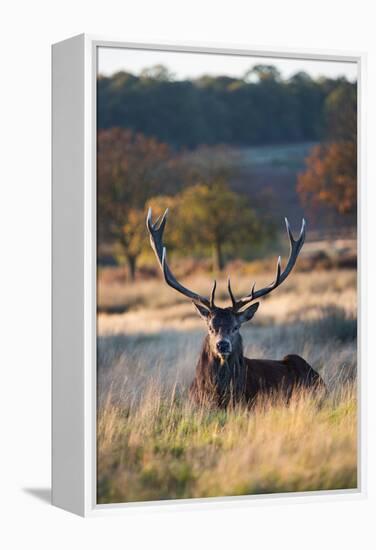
x=192, y=65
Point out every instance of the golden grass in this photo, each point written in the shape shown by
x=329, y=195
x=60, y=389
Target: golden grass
x=163, y=448
x=153, y=444
x=151, y=306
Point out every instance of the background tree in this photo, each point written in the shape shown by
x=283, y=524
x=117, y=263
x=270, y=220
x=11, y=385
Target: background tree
x=330, y=177
x=212, y=217
x=331, y=174
x=131, y=168
x=130, y=240
x=340, y=112
x=158, y=72
x=262, y=72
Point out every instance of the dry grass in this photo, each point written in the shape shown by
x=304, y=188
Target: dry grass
x=153, y=444
x=163, y=448
x=151, y=306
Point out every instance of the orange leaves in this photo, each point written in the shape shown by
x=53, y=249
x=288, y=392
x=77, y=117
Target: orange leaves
x=331, y=176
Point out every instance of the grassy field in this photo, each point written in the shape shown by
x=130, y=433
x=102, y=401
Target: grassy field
x=153, y=444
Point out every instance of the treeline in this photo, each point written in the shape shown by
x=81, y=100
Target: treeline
x=259, y=108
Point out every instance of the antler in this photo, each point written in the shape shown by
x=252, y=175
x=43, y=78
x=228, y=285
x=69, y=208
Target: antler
x=295, y=247
x=156, y=235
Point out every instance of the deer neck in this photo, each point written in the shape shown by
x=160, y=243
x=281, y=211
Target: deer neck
x=225, y=377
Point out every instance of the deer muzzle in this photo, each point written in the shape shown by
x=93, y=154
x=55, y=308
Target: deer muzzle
x=224, y=347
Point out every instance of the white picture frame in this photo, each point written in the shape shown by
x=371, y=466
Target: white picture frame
x=74, y=72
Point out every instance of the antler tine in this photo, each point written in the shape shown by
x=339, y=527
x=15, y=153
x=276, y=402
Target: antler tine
x=233, y=300
x=295, y=248
x=156, y=233
x=212, y=296
x=156, y=241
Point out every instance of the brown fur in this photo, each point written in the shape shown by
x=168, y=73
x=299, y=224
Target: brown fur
x=242, y=380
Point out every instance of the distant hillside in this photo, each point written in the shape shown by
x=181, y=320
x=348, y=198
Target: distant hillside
x=268, y=175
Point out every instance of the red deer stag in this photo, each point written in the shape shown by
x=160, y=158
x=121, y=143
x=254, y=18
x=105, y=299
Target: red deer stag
x=223, y=375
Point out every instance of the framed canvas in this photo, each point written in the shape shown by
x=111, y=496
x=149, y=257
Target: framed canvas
x=190, y=365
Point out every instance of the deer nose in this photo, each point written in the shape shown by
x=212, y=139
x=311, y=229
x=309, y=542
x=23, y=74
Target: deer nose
x=224, y=346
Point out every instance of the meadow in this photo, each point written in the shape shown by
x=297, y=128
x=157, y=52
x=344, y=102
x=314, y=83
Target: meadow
x=153, y=444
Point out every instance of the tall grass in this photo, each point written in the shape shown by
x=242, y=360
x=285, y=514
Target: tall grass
x=154, y=444
x=162, y=447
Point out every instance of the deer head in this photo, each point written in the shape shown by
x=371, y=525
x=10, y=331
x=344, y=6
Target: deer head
x=223, y=323
x=223, y=326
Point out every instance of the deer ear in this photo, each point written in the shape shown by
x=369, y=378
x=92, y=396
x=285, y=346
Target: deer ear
x=248, y=313
x=202, y=311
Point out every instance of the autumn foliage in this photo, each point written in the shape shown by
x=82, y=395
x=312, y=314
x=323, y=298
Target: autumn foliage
x=331, y=174
x=131, y=168
x=136, y=172
x=330, y=177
